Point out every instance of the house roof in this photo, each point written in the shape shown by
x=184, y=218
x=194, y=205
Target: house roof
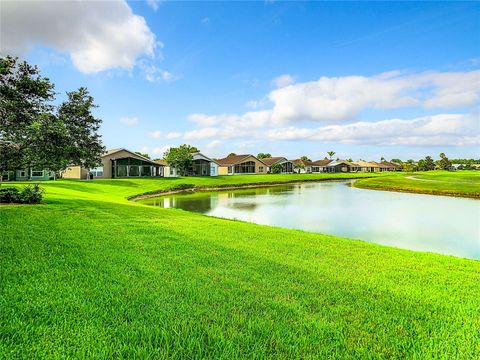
x=161, y=162
x=340, y=162
x=111, y=152
x=302, y=162
x=363, y=163
x=235, y=159
x=273, y=160
x=199, y=155
x=322, y=162
x=390, y=164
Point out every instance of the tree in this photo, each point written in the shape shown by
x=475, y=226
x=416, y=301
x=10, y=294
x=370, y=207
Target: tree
x=331, y=153
x=426, y=164
x=382, y=159
x=180, y=157
x=143, y=154
x=396, y=161
x=232, y=154
x=444, y=163
x=263, y=156
x=305, y=158
x=24, y=97
x=276, y=169
x=43, y=136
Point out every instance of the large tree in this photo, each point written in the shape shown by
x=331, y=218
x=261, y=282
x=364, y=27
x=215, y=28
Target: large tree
x=35, y=133
x=264, y=155
x=180, y=157
x=444, y=163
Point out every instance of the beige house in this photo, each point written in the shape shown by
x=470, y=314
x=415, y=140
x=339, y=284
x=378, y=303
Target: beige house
x=117, y=163
x=287, y=165
x=241, y=164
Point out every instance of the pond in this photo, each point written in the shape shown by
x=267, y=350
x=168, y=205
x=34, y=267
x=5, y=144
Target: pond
x=439, y=224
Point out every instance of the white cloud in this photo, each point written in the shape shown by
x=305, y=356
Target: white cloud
x=156, y=151
x=157, y=134
x=98, y=35
x=173, y=135
x=441, y=129
x=344, y=98
x=155, y=74
x=283, y=80
x=154, y=4
x=129, y=120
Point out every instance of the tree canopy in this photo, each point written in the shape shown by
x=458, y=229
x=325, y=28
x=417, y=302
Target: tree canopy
x=34, y=132
x=264, y=155
x=180, y=157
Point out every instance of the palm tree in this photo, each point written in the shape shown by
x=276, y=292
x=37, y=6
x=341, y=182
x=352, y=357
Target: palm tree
x=331, y=153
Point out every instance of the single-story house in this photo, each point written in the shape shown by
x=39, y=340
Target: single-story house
x=389, y=166
x=339, y=166
x=28, y=174
x=302, y=166
x=241, y=164
x=117, y=163
x=365, y=166
x=287, y=166
x=320, y=165
x=201, y=166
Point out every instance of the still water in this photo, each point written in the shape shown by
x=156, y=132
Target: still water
x=439, y=224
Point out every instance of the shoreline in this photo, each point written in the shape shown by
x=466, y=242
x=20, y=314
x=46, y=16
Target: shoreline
x=230, y=187
x=423, y=192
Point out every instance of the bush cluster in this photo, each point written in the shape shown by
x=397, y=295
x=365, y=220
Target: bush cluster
x=30, y=194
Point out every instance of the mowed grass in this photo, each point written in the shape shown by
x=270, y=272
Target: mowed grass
x=453, y=183
x=92, y=275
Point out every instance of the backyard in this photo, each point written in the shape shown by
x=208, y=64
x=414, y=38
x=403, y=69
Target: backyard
x=90, y=273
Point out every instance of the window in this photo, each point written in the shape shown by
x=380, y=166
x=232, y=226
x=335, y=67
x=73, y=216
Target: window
x=247, y=167
x=230, y=169
x=172, y=171
x=97, y=172
x=260, y=169
x=23, y=173
x=37, y=173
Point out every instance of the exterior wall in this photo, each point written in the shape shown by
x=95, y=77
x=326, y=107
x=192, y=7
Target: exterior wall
x=107, y=162
x=75, y=172
x=46, y=175
x=260, y=167
x=213, y=169
x=169, y=172
x=223, y=170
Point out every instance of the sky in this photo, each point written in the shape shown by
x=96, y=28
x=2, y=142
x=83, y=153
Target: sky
x=364, y=79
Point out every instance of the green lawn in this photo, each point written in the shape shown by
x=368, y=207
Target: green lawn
x=459, y=183
x=90, y=274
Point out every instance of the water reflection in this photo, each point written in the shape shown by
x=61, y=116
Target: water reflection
x=419, y=222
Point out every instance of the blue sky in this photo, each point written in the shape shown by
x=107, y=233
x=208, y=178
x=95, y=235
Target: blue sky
x=363, y=79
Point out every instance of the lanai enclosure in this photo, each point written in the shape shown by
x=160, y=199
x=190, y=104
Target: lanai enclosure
x=117, y=163
x=201, y=166
x=287, y=165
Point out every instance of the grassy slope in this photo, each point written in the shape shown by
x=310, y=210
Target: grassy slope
x=91, y=273
x=459, y=183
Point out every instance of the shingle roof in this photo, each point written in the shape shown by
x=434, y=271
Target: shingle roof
x=272, y=160
x=322, y=162
x=339, y=162
x=362, y=163
x=161, y=162
x=234, y=159
x=390, y=164
x=302, y=162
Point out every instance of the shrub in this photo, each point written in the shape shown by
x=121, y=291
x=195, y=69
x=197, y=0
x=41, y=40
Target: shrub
x=31, y=194
x=9, y=195
x=276, y=169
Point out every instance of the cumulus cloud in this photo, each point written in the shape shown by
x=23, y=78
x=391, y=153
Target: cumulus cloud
x=344, y=98
x=283, y=80
x=440, y=129
x=129, y=120
x=155, y=74
x=98, y=35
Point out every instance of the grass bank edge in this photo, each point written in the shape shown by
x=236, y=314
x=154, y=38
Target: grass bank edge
x=405, y=183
